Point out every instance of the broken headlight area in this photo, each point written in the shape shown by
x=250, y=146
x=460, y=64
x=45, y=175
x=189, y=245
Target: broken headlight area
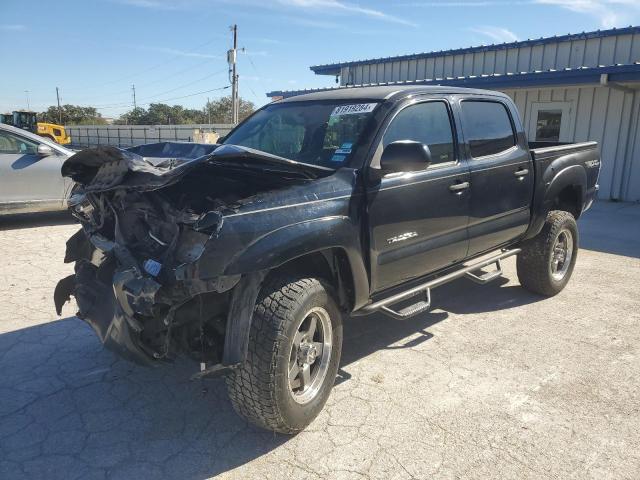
x=139, y=280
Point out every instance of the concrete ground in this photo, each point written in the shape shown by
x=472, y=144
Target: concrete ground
x=494, y=382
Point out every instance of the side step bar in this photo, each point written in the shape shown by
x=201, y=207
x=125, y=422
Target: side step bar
x=423, y=305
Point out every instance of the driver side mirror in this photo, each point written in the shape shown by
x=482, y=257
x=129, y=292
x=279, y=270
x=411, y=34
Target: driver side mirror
x=45, y=150
x=405, y=156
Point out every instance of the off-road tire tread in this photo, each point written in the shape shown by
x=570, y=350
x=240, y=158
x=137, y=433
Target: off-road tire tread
x=252, y=387
x=532, y=265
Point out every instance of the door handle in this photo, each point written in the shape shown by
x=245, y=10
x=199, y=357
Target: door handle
x=459, y=187
x=521, y=173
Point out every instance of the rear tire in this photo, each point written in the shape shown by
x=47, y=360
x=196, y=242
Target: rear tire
x=290, y=369
x=546, y=261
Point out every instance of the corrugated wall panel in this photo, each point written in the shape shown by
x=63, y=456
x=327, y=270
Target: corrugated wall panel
x=439, y=68
x=549, y=56
x=467, y=68
x=395, y=75
x=563, y=55
x=635, y=48
x=572, y=95
x=592, y=52
x=622, y=103
x=413, y=69
x=380, y=73
x=404, y=70
x=357, y=74
x=597, y=130
x=458, y=65
x=512, y=60
x=501, y=62
x=448, y=66
x=583, y=113
x=623, y=49
x=607, y=51
x=577, y=53
x=631, y=183
x=478, y=63
x=524, y=59
x=431, y=68
x=489, y=62
x=536, y=57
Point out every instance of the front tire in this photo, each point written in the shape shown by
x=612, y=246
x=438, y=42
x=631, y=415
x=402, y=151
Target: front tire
x=295, y=342
x=546, y=261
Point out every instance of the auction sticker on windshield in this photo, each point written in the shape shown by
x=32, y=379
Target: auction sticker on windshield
x=353, y=109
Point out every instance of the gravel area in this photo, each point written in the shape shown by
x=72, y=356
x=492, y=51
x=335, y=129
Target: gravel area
x=494, y=382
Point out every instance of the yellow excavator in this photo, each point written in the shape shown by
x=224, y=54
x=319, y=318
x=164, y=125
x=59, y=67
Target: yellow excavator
x=28, y=121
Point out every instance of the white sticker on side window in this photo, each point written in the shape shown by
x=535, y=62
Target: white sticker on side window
x=353, y=109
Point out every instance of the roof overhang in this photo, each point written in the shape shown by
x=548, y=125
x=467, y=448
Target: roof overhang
x=335, y=68
x=548, y=78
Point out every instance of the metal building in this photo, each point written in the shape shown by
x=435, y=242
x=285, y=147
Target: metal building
x=568, y=88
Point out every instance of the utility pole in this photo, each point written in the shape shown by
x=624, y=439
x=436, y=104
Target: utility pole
x=27, y=93
x=231, y=58
x=133, y=87
x=59, y=109
x=209, y=111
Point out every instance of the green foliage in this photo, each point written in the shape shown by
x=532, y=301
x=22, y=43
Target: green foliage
x=72, y=115
x=216, y=111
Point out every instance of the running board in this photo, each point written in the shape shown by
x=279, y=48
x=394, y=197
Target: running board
x=424, y=304
x=486, y=277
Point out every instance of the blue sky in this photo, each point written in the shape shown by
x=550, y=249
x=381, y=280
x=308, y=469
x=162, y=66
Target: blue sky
x=94, y=50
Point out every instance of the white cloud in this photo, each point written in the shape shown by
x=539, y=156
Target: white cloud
x=179, y=53
x=254, y=53
x=497, y=34
x=609, y=13
x=12, y=28
x=157, y=4
x=333, y=6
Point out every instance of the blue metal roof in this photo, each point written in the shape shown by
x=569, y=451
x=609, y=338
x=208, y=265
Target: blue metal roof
x=546, y=78
x=334, y=68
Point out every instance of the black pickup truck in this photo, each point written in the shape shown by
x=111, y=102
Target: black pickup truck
x=246, y=256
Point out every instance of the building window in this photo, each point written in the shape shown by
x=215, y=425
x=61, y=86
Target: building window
x=550, y=122
x=548, y=125
x=487, y=127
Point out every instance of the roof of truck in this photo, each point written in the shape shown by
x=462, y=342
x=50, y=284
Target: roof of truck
x=383, y=92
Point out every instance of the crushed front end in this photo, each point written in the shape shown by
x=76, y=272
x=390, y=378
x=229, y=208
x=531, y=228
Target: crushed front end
x=148, y=259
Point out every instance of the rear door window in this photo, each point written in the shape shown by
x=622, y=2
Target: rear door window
x=428, y=123
x=14, y=144
x=487, y=127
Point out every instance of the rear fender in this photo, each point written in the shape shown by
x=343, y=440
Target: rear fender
x=555, y=179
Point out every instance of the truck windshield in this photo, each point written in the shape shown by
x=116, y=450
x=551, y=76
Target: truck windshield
x=315, y=133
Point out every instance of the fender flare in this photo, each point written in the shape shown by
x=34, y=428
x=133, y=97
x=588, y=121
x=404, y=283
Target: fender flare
x=553, y=183
x=296, y=240
x=274, y=250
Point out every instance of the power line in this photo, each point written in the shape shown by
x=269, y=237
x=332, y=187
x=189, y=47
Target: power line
x=190, y=83
x=164, y=62
x=167, y=99
x=119, y=104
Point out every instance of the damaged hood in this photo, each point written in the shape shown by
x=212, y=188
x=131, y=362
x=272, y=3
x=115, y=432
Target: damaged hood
x=106, y=168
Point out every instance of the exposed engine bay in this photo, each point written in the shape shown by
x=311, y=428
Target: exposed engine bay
x=145, y=260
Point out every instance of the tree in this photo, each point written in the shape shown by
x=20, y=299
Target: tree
x=72, y=115
x=219, y=111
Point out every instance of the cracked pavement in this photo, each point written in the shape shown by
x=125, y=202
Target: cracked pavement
x=494, y=382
